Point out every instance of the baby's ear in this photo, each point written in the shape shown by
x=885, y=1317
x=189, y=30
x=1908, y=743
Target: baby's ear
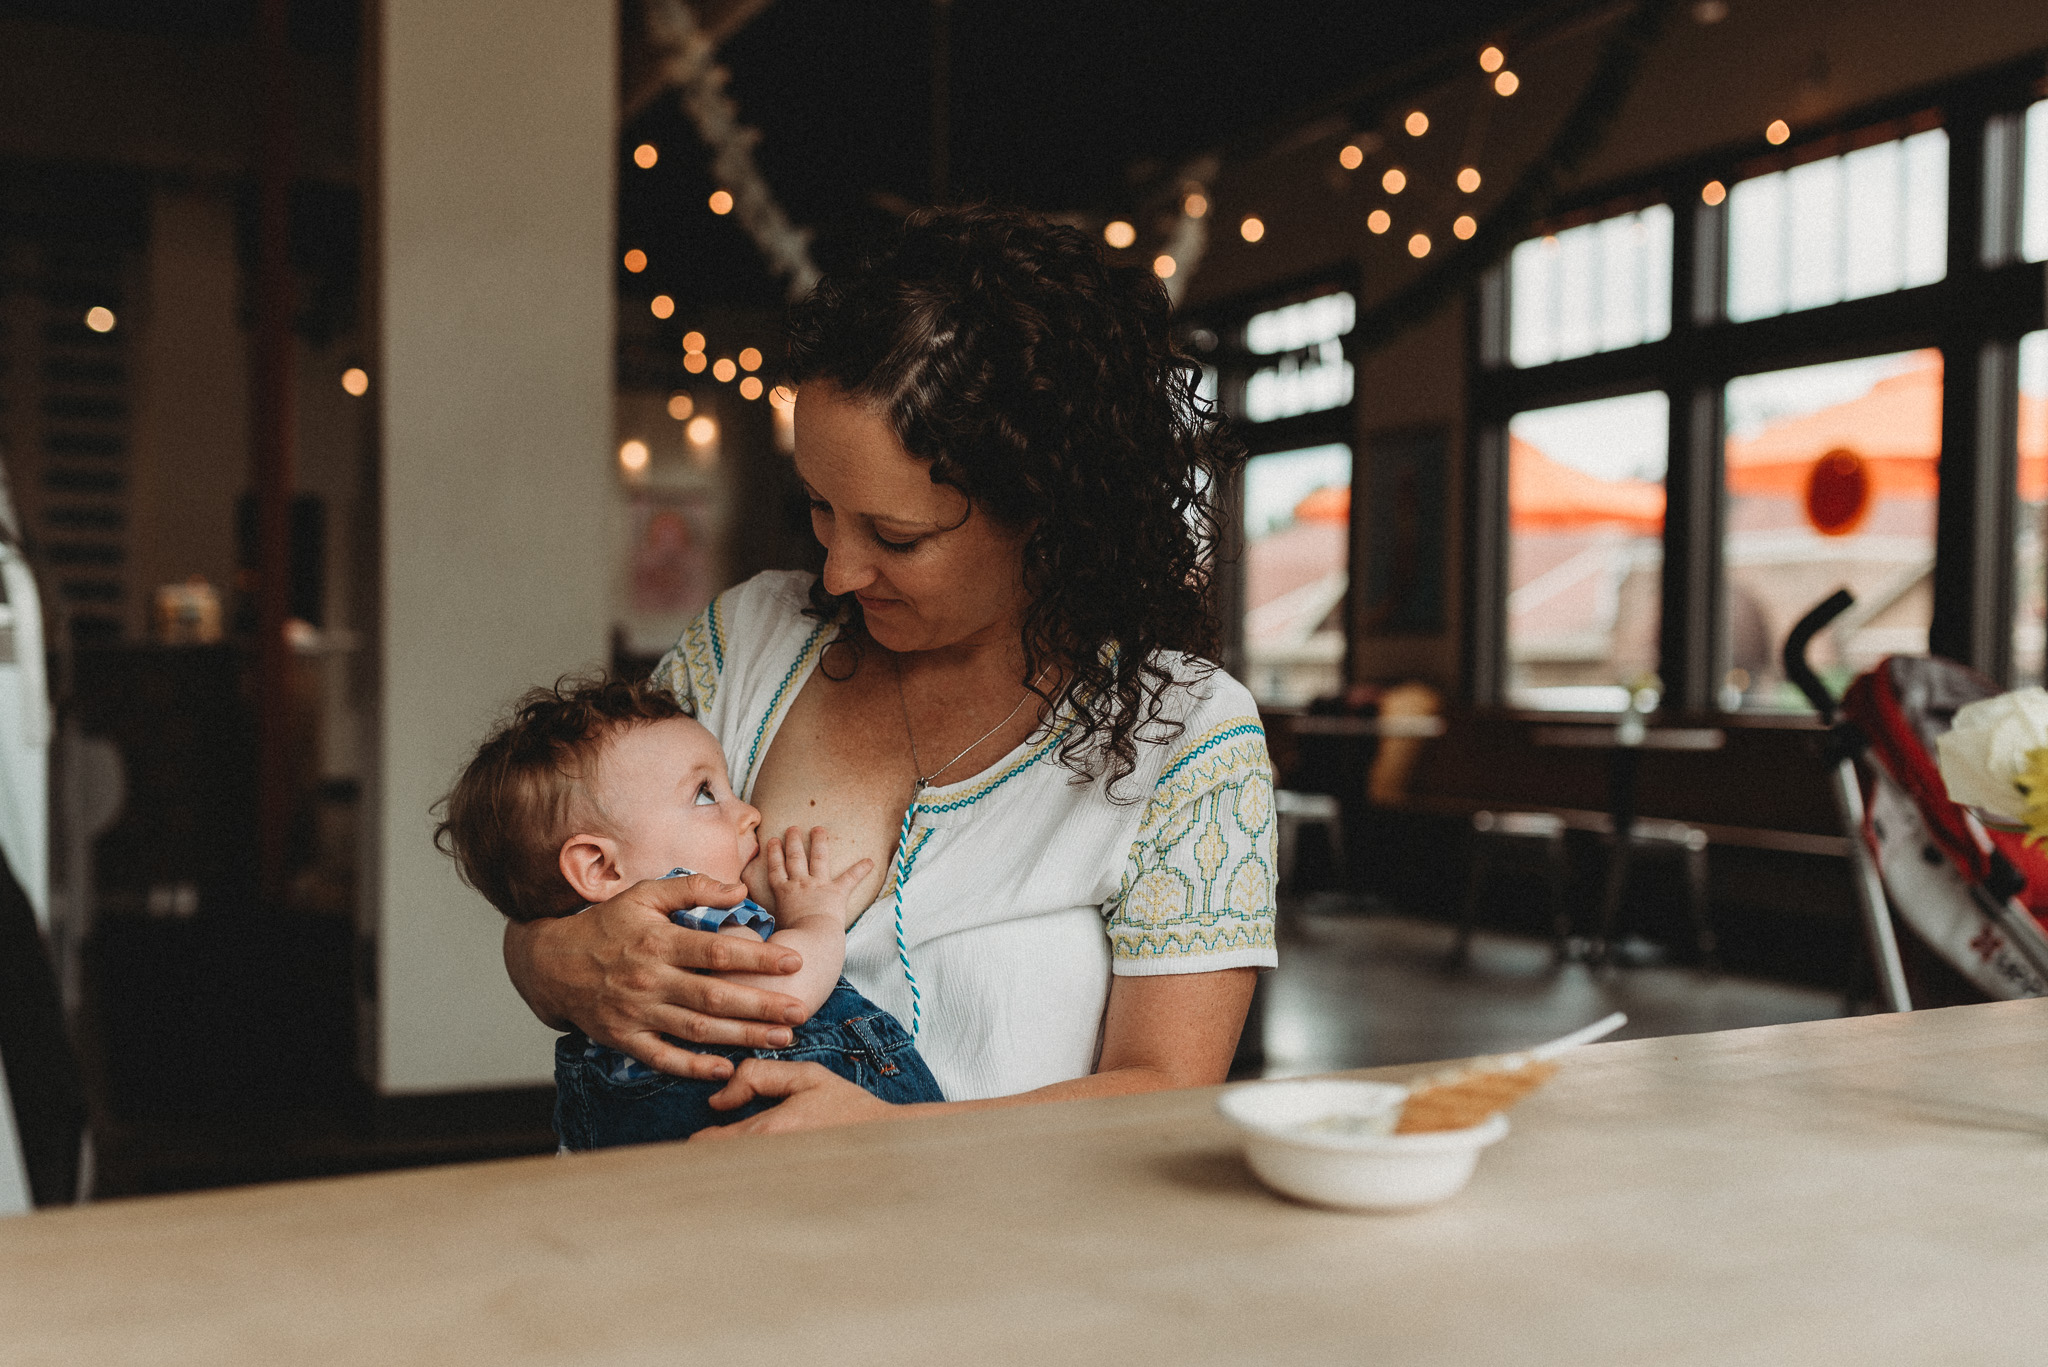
x=590, y=863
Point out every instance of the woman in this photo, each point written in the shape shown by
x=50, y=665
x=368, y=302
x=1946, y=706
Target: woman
x=995, y=690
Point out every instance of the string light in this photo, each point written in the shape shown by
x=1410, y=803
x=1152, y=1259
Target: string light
x=694, y=362
x=661, y=306
x=99, y=319
x=782, y=397
x=693, y=340
x=681, y=406
x=356, y=381
x=722, y=370
x=1164, y=266
x=1119, y=234
x=1394, y=181
x=750, y=359
x=1418, y=245
x=1464, y=226
x=645, y=155
x=1778, y=132
x=633, y=457
x=750, y=388
x=1713, y=192
x=1252, y=229
x=1351, y=156
x=1491, y=59
x=721, y=201
x=702, y=431
x=1379, y=220
x=1468, y=179
x=636, y=261
x=1507, y=83
x=1417, y=124
x=1196, y=205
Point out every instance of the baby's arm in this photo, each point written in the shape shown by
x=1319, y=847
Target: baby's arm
x=810, y=915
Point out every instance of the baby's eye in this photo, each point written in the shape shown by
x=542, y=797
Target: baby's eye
x=705, y=797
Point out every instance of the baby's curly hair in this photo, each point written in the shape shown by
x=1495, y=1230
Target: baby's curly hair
x=507, y=816
x=1042, y=382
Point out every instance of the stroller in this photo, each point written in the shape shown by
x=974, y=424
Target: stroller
x=1977, y=898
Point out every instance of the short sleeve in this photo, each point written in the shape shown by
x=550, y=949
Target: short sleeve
x=1197, y=893
x=692, y=667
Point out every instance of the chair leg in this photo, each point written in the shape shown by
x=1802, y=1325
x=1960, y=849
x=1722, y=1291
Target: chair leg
x=1696, y=904
x=1610, y=900
x=1468, y=914
x=1560, y=909
x=1289, y=842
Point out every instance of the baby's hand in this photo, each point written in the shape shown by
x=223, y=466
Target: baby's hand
x=797, y=876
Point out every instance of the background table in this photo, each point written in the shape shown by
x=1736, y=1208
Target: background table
x=1860, y=1191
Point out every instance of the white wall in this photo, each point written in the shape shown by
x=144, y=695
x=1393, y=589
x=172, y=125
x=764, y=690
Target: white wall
x=493, y=129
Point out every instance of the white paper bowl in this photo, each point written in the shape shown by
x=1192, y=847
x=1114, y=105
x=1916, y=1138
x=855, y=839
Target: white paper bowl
x=1354, y=1171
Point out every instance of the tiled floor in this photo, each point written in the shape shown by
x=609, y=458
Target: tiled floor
x=1355, y=990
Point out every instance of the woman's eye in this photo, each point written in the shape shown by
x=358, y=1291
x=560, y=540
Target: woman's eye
x=705, y=797
x=899, y=546
x=819, y=505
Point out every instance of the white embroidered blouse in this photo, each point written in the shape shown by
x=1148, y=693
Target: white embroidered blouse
x=1021, y=893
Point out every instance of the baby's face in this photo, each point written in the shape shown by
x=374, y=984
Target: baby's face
x=664, y=786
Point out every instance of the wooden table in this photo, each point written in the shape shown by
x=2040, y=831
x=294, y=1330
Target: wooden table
x=1867, y=1191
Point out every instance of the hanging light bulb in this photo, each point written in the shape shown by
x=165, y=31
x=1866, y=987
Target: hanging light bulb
x=1491, y=59
x=1351, y=156
x=1464, y=226
x=1119, y=234
x=1468, y=179
x=1418, y=246
x=1778, y=133
x=1379, y=220
x=1417, y=124
x=1507, y=83
x=1252, y=229
x=1394, y=181
x=1712, y=193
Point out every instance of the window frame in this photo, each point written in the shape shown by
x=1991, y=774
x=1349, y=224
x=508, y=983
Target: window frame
x=1234, y=365
x=1974, y=316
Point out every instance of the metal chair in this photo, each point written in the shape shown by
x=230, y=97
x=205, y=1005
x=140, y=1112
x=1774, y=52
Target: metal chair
x=1649, y=835
x=1498, y=832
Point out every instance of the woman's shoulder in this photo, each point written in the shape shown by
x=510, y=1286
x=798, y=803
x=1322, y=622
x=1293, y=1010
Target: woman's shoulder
x=749, y=621
x=1210, y=730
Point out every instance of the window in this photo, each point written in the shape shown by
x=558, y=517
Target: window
x=1585, y=551
x=2030, y=566
x=2034, y=187
x=1297, y=532
x=1599, y=287
x=1868, y=222
x=1309, y=373
x=1832, y=473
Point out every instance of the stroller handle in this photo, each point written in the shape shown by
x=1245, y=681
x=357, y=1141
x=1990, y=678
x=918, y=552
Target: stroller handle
x=1797, y=669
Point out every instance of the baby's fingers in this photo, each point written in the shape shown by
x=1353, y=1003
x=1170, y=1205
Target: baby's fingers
x=821, y=849
x=778, y=868
x=852, y=875
x=793, y=850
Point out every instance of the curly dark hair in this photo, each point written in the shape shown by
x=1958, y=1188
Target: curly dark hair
x=1043, y=383
x=507, y=816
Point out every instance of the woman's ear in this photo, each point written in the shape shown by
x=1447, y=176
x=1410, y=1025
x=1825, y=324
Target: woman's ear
x=590, y=863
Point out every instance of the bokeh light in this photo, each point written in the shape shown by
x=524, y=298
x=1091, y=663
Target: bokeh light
x=1464, y=226
x=1394, y=181
x=1417, y=124
x=1379, y=220
x=1252, y=229
x=693, y=340
x=1119, y=234
x=661, y=306
x=1778, y=133
x=633, y=457
x=750, y=358
x=1164, y=266
x=1418, y=245
x=694, y=362
x=681, y=406
x=702, y=430
x=1351, y=156
x=1491, y=59
x=1196, y=205
x=99, y=319
x=1507, y=83
x=1468, y=179
x=750, y=388
x=356, y=380
x=722, y=370
x=645, y=155
x=721, y=201
x=1713, y=192
x=636, y=261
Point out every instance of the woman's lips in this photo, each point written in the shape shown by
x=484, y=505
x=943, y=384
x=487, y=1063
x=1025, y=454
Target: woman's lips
x=870, y=604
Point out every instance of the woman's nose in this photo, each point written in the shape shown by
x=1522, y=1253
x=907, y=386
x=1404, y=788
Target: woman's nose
x=845, y=570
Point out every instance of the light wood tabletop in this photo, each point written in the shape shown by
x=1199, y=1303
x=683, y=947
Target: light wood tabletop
x=1863, y=1191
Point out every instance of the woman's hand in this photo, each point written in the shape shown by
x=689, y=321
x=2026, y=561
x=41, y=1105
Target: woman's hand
x=625, y=975
x=815, y=1099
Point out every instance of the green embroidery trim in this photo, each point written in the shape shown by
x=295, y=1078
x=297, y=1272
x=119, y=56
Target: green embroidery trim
x=800, y=668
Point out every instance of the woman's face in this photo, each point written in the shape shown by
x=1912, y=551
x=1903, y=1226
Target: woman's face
x=929, y=569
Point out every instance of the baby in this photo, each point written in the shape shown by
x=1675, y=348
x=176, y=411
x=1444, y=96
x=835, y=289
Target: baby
x=591, y=787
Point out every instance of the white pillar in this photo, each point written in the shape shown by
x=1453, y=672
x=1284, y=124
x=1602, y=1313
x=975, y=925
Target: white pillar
x=493, y=124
